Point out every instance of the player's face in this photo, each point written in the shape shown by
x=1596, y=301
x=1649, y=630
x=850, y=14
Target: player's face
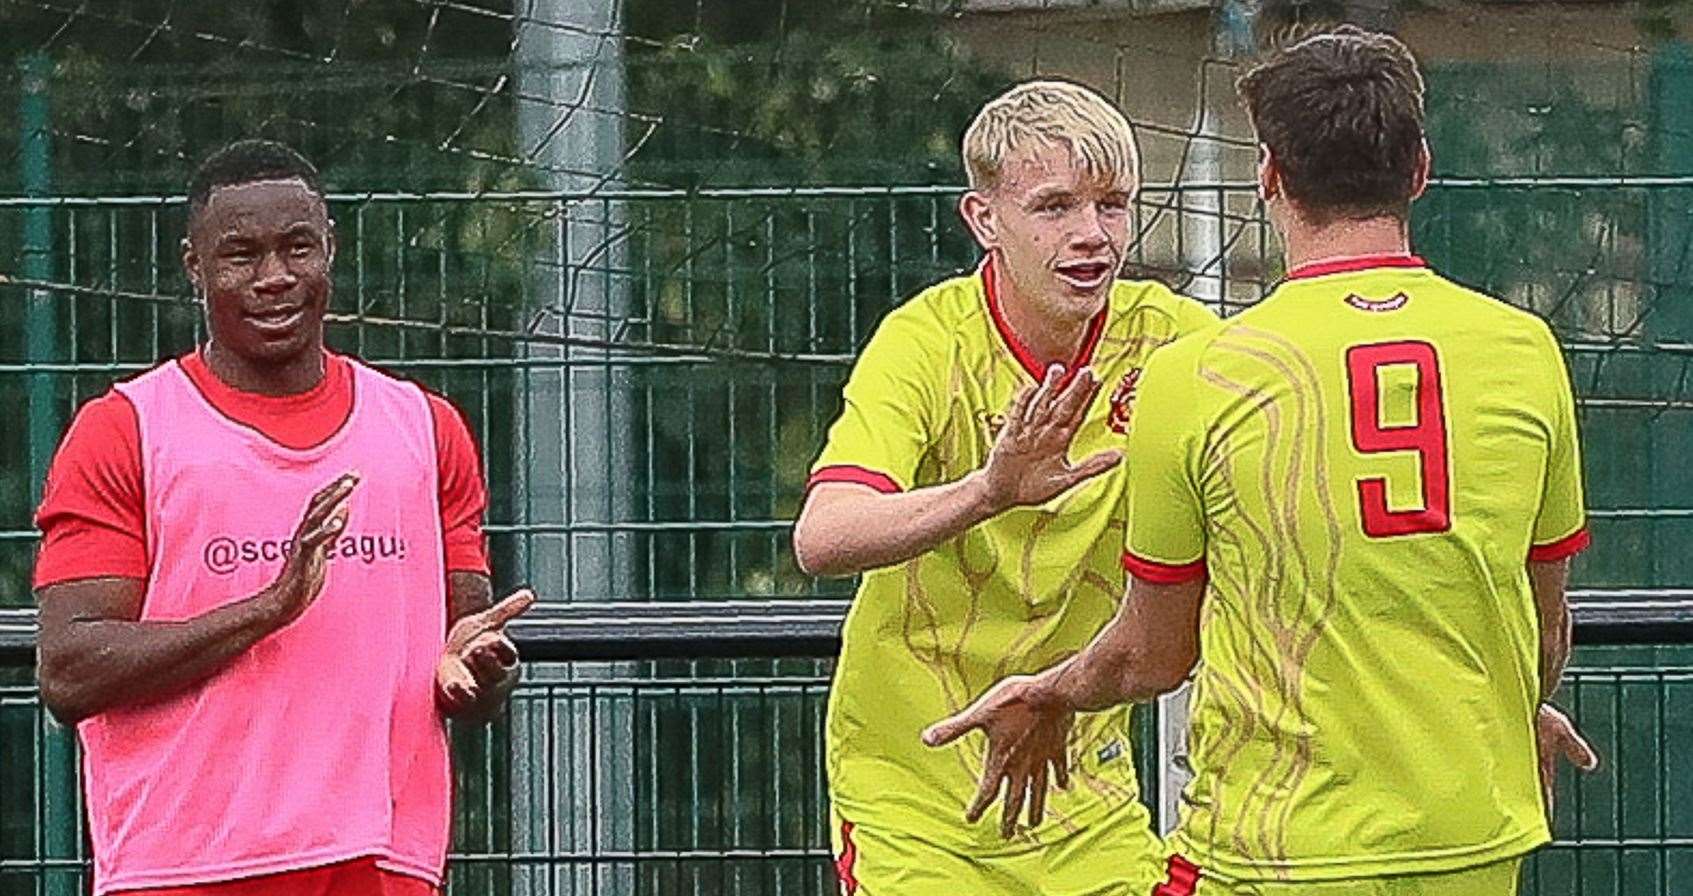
x=1060, y=231
x=260, y=255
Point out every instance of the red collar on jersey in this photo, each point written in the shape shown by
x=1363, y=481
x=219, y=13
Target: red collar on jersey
x=1359, y=263
x=1031, y=364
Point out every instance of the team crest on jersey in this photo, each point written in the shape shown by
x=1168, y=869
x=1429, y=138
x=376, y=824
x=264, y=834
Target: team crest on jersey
x=1392, y=303
x=1122, y=400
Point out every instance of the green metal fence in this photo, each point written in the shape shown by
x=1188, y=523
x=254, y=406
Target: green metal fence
x=693, y=344
x=705, y=334
x=1628, y=829
x=649, y=371
x=730, y=798
x=694, y=347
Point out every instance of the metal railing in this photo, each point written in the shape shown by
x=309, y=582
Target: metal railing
x=769, y=629
x=670, y=743
x=719, y=771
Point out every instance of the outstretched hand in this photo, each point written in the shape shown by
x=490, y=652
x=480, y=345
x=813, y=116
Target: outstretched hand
x=301, y=580
x=479, y=663
x=1030, y=460
x=1028, y=734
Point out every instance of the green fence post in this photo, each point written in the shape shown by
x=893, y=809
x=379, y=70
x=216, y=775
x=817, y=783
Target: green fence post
x=41, y=324
x=60, y=837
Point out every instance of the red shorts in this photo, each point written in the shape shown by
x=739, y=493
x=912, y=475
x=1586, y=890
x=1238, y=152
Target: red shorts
x=359, y=877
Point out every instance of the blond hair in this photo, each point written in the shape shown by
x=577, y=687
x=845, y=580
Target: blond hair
x=1051, y=112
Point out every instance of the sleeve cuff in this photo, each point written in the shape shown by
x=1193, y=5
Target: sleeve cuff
x=1163, y=573
x=1568, y=546
x=879, y=481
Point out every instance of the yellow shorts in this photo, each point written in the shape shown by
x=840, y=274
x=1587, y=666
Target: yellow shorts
x=1494, y=879
x=1117, y=856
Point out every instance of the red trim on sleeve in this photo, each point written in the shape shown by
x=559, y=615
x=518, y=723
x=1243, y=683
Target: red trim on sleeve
x=1568, y=546
x=1025, y=358
x=879, y=481
x=1163, y=573
x=1360, y=263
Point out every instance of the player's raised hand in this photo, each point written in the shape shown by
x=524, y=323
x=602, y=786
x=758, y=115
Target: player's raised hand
x=1030, y=460
x=479, y=660
x=301, y=579
x=1556, y=737
x=1028, y=735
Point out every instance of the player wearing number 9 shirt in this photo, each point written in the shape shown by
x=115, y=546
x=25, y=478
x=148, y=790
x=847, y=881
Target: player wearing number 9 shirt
x=1353, y=506
x=1360, y=466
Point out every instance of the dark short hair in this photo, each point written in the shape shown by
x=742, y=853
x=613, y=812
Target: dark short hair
x=1342, y=113
x=244, y=162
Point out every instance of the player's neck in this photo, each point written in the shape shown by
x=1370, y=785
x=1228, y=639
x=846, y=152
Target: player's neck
x=1051, y=337
x=291, y=377
x=1308, y=244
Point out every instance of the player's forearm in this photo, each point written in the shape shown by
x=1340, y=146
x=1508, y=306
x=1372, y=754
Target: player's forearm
x=1109, y=673
x=1549, y=581
x=1146, y=650
x=90, y=665
x=1090, y=681
x=1554, y=656
x=847, y=530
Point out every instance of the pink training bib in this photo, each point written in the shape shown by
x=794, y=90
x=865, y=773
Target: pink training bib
x=322, y=742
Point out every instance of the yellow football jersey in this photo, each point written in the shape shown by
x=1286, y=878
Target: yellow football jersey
x=1360, y=465
x=1014, y=594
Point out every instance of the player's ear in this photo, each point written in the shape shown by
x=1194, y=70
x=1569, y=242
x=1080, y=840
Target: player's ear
x=329, y=244
x=1425, y=162
x=191, y=266
x=973, y=207
x=1269, y=174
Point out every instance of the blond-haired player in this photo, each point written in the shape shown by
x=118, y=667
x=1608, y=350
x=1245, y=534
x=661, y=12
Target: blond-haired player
x=973, y=477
